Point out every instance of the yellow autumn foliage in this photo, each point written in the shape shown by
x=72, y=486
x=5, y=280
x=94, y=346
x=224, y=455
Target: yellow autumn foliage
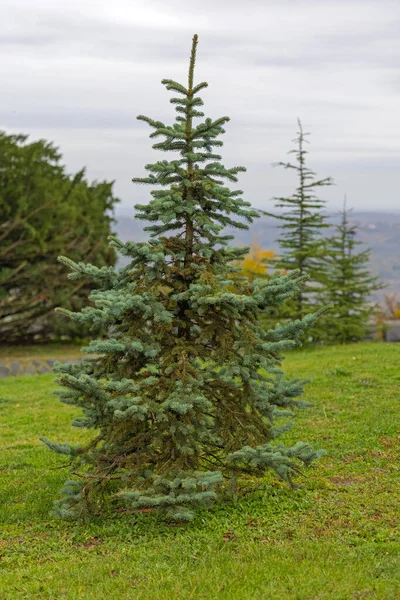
x=256, y=262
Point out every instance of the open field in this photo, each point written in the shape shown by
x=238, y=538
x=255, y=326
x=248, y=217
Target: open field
x=336, y=538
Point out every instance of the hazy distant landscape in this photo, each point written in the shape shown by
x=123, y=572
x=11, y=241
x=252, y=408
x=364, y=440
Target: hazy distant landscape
x=379, y=231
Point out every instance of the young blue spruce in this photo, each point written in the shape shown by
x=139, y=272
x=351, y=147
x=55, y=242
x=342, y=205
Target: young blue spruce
x=185, y=389
x=349, y=285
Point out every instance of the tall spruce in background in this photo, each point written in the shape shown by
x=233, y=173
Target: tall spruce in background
x=303, y=222
x=348, y=287
x=185, y=391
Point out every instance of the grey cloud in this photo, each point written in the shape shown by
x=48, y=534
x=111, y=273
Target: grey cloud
x=80, y=77
x=78, y=119
x=26, y=39
x=92, y=36
x=131, y=44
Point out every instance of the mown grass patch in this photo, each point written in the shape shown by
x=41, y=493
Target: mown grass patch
x=336, y=537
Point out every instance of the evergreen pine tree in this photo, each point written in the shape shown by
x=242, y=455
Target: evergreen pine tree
x=300, y=241
x=185, y=391
x=348, y=287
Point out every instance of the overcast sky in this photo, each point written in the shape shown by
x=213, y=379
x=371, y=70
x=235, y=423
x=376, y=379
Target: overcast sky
x=78, y=73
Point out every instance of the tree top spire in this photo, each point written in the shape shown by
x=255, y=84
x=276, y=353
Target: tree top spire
x=195, y=41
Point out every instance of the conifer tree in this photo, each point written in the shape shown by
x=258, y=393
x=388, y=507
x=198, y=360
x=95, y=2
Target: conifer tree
x=303, y=222
x=185, y=391
x=348, y=287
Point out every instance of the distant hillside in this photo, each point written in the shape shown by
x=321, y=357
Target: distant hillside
x=379, y=231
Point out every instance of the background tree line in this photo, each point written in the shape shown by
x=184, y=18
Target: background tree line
x=338, y=270
x=44, y=212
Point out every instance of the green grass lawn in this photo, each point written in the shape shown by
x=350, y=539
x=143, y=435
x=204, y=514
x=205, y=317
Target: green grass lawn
x=335, y=538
